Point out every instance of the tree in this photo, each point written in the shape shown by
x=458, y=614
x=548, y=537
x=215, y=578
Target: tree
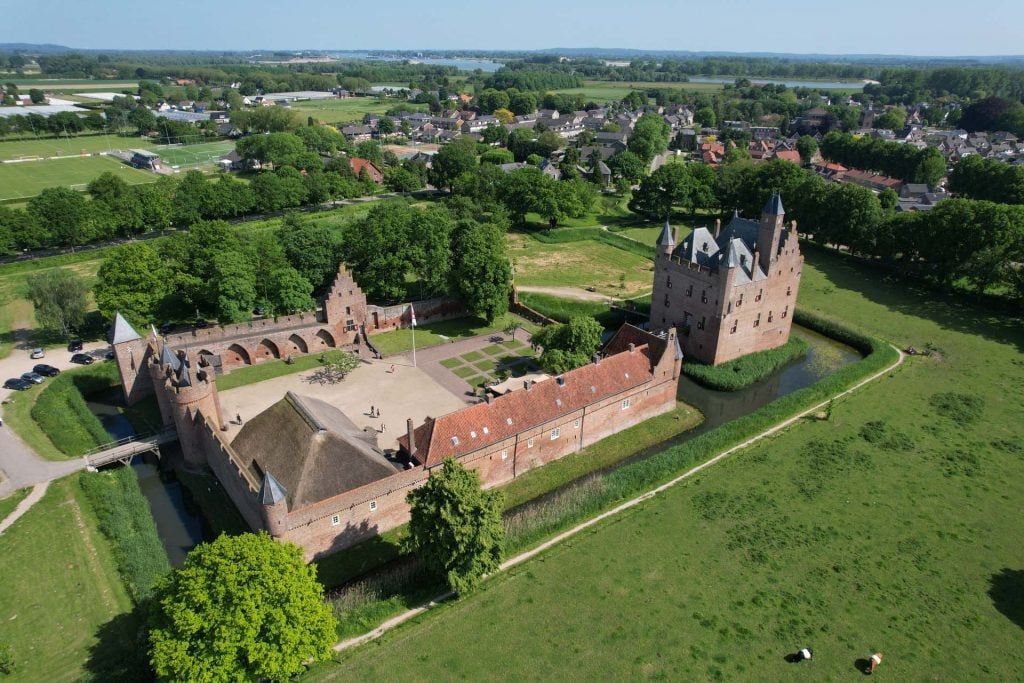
x=234, y=286
x=807, y=147
x=385, y=126
x=456, y=527
x=705, y=117
x=36, y=96
x=481, y=272
x=504, y=116
x=61, y=212
x=569, y=346
x=133, y=280
x=241, y=608
x=451, y=161
x=650, y=137
x=335, y=368
x=627, y=165
x=58, y=296
x=289, y=292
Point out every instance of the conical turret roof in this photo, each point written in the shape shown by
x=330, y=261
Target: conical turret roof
x=123, y=332
x=271, y=491
x=666, y=238
x=774, y=205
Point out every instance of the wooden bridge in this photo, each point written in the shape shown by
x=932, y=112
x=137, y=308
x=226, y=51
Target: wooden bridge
x=125, y=449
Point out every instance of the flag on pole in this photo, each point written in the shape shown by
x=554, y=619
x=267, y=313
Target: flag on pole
x=412, y=315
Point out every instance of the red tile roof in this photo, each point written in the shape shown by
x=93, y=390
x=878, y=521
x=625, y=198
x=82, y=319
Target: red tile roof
x=359, y=164
x=788, y=155
x=484, y=424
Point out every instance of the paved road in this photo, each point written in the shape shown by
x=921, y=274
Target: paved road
x=19, y=465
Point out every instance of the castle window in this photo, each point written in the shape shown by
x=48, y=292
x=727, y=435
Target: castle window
x=348, y=310
x=350, y=325
x=373, y=506
x=759, y=293
x=663, y=321
x=734, y=325
x=789, y=290
x=757, y=320
x=729, y=310
x=666, y=299
x=555, y=433
x=785, y=312
x=700, y=325
x=743, y=259
x=770, y=316
x=703, y=296
x=504, y=454
x=668, y=281
x=576, y=423
x=689, y=291
x=626, y=402
x=529, y=443
x=335, y=519
x=739, y=302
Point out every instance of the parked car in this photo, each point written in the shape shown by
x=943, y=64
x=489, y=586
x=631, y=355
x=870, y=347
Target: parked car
x=165, y=328
x=46, y=370
x=37, y=353
x=75, y=345
x=18, y=384
x=200, y=324
x=82, y=359
x=33, y=377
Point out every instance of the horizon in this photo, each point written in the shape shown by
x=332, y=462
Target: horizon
x=533, y=25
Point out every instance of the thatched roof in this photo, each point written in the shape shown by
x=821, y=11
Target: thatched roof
x=312, y=449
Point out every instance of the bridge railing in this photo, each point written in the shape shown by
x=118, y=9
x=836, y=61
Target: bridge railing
x=163, y=433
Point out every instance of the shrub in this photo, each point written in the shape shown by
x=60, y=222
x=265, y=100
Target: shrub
x=746, y=370
x=61, y=412
x=964, y=408
x=6, y=658
x=125, y=519
x=874, y=431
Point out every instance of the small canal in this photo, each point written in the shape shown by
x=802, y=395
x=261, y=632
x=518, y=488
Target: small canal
x=824, y=356
x=179, y=524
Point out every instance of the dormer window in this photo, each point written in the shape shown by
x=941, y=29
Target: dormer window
x=704, y=247
x=455, y=441
x=508, y=420
x=486, y=430
x=472, y=435
x=743, y=259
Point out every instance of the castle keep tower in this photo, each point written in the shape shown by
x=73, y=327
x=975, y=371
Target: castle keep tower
x=732, y=292
x=188, y=388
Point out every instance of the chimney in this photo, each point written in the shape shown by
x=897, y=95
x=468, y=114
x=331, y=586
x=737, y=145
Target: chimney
x=487, y=397
x=792, y=225
x=718, y=227
x=597, y=359
x=412, y=437
x=527, y=384
x=757, y=262
x=632, y=347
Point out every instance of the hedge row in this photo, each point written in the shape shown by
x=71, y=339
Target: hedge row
x=746, y=370
x=642, y=475
x=125, y=519
x=62, y=415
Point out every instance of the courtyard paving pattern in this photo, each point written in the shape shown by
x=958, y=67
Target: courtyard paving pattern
x=462, y=366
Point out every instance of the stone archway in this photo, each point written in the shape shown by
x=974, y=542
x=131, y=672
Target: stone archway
x=326, y=338
x=299, y=343
x=237, y=355
x=267, y=349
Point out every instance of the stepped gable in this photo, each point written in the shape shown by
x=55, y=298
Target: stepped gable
x=470, y=429
x=313, y=450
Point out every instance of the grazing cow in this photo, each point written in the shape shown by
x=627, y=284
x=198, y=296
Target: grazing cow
x=803, y=654
x=874, y=661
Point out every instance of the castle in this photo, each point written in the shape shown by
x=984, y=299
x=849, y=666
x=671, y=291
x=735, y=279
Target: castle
x=302, y=471
x=732, y=292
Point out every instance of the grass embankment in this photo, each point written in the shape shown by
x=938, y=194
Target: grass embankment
x=8, y=504
x=886, y=527
x=63, y=601
x=742, y=372
x=125, y=520
x=610, y=270
x=61, y=414
x=432, y=334
x=633, y=311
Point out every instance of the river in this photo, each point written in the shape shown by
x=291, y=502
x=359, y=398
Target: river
x=461, y=63
x=180, y=528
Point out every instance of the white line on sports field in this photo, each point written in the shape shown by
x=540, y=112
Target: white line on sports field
x=522, y=557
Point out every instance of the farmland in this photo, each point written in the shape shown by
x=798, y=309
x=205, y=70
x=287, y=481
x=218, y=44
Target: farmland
x=347, y=110
x=890, y=526
x=29, y=178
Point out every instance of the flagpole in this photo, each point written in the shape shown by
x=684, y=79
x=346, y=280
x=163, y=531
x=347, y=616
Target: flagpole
x=412, y=315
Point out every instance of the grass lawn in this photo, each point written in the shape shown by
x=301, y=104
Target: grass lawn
x=8, y=504
x=29, y=178
x=264, y=371
x=451, y=363
x=465, y=372
x=347, y=110
x=52, y=147
x=18, y=417
x=62, y=592
x=485, y=365
x=493, y=350
x=578, y=264
x=400, y=341
x=471, y=356
x=890, y=527
x=189, y=155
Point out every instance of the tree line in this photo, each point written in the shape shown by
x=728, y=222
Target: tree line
x=893, y=159
x=976, y=177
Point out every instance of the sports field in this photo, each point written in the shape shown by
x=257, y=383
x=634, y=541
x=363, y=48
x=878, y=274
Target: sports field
x=347, y=110
x=891, y=526
x=191, y=155
x=55, y=147
x=29, y=178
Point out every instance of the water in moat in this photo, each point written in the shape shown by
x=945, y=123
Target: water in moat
x=179, y=525
x=824, y=356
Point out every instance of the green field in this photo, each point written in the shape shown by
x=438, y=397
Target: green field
x=55, y=147
x=347, y=110
x=578, y=264
x=191, y=155
x=892, y=526
x=29, y=178
x=62, y=600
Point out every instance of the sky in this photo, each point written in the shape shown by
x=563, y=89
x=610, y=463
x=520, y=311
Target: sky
x=938, y=27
